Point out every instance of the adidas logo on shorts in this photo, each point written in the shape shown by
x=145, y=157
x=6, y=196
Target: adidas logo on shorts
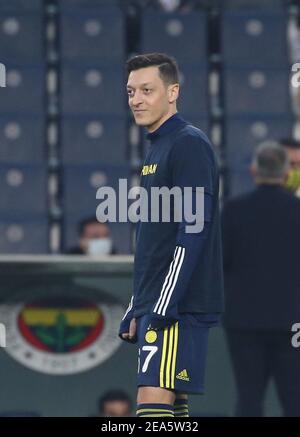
x=183, y=375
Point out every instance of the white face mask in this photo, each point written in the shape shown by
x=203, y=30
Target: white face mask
x=99, y=246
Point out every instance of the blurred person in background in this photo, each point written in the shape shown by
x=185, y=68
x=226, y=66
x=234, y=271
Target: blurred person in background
x=293, y=150
x=261, y=249
x=115, y=403
x=94, y=239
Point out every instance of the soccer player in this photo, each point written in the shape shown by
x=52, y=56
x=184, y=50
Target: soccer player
x=178, y=279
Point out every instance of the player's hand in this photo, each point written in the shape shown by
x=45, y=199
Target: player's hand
x=132, y=331
x=128, y=332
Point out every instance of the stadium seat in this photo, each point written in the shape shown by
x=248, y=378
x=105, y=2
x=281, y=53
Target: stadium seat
x=253, y=4
x=193, y=97
x=90, y=140
x=28, y=236
x=23, y=189
x=242, y=135
x=90, y=89
x=25, y=88
x=87, y=4
x=21, y=5
x=254, y=38
x=21, y=37
x=180, y=35
x=22, y=139
x=80, y=184
x=256, y=90
x=93, y=34
x=120, y=233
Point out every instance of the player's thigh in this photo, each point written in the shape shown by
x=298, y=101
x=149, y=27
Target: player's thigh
x=155, y=395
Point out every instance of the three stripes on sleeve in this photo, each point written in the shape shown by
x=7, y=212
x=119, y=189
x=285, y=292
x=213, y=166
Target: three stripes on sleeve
x=170, y=282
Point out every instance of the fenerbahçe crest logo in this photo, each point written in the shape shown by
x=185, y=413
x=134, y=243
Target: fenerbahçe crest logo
x=61, y=336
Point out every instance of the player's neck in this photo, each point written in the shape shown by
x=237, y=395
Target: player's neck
x=156, y=125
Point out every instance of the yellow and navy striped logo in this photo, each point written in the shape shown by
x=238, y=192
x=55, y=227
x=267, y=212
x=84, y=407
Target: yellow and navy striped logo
x=169, y=356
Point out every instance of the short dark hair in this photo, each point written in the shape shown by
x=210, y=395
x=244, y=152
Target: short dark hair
x=290, y=142
x=114, y=395
x=85, y=222
x=167, y=66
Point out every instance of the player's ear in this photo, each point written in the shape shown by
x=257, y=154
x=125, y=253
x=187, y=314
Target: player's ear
x=173, y=92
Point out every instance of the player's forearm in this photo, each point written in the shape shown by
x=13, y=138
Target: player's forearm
x=129, y=308
x=186, y=258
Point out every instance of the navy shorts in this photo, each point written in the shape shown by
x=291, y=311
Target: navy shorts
x=173, y=358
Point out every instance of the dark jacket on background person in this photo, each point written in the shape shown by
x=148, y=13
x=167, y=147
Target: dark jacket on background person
x=261, y=251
